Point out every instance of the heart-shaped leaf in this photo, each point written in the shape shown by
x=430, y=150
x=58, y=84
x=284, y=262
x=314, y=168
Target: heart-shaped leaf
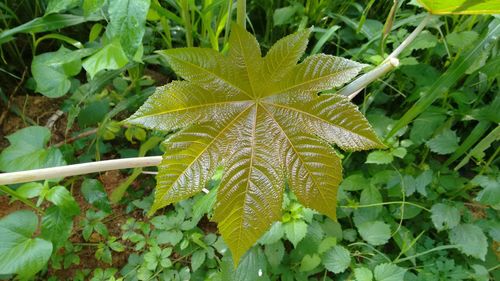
x=261, y=119
x=20, y=253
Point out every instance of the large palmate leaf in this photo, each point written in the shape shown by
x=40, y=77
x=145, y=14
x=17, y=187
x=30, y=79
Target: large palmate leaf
x=261, y=119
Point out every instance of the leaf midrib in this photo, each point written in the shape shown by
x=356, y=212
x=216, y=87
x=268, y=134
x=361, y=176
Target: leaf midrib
x=210, y=143
x=196, y=106
x=296, y=152
x=282, y=91
x=317, y=118
x=213, y=73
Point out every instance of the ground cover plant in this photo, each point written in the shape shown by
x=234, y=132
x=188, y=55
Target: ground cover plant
x=256, y=141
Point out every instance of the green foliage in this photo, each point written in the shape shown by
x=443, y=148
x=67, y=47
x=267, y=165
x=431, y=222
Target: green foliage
x=412, y=212
x=230, y=105
x=27, y=151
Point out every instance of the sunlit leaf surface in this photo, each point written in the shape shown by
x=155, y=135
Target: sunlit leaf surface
x=261, y=119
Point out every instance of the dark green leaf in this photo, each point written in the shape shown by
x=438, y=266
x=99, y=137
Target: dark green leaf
x=56, y=226
x=93, y=191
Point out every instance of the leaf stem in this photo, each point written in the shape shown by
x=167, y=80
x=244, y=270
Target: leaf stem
x=444, y=247
x=241, y=13
x=385, y=203
x=78, y=169
x=391, y=62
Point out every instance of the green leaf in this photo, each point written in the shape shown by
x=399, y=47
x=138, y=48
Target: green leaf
x=92, y=6
x=111, y=56
x=61, y=197
x=337, y=259
x=46, y=23
x=490, y=195
x=30, y=190
x=295, y=231
x=275, y=233
x=452, y=75
x=252, y=267
x=444, y=143
x=127, y=22
x=461, y=7
x=461, y=40
x=262, y=121
x=379, y=157
x=354, y=182
x=20, y=253
x=56, y=226
x=425, y=125
x=470, y=240
x=375, y=232
x=93, y=191
x=309, y=262
x=444, y=216
x=27, y=151
x=52, y=71
x=56, y=6
x=274, y=253
x=389, y=272
x=197, y=259
x=363, y=274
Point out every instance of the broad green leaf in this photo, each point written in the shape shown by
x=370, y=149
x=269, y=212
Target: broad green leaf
x=309, y=262
x=379, y=157
x=20, y=252
x=92, y=6
x=363, y=274
x=375, y=232
x=425, y=125
x=127, y=23
x=252, y=267
x=274, y=234
x=274, y=253
x=444, y=216
x=27, y=151
x=389, y=272
x=30, y=190
x=470, y=7
x=46, y=23
x=337, y=259
x=62, y=198
x=444, y=143
x=461, y=40
x=295, y=231
x=111, y=56
x=56, y=226
x=261, y=120
x=56, y=6
x=490, y=195
x=197, y=259
x=470, y=240
x=355, y=182
x=52, y=71
x=93, y=191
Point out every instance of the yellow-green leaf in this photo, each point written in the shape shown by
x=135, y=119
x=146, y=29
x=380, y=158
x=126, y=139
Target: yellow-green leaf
x=461, y=6
x=261, y=120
